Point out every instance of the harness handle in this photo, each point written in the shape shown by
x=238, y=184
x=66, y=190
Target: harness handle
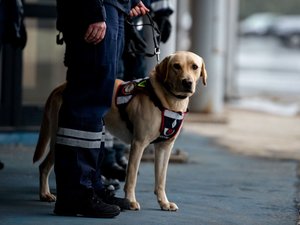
x=155, y=35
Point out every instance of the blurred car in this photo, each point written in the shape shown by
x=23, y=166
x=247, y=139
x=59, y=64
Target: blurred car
x=258, y=24
x=287, y=29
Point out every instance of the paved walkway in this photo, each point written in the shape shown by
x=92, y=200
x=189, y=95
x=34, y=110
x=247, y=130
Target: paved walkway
x=215, y=187
x=251, y=132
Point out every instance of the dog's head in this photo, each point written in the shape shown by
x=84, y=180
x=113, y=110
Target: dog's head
x=180, y=72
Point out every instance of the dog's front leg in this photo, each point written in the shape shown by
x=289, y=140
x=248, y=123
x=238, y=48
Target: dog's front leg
x=135, y=155
x=162, y=155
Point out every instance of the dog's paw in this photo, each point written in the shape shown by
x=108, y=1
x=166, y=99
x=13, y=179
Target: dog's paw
x=168, y=206
x=134, y=206
x=47, y=197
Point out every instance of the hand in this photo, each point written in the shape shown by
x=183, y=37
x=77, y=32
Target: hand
x=95, y=33
x=139, y=10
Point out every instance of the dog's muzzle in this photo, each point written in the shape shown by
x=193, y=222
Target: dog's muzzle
x=187, y=85
x=169, y=89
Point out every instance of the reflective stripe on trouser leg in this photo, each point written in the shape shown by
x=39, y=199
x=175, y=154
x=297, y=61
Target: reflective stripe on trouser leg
x=79, y=138
x=97, y=181
x=109, y=140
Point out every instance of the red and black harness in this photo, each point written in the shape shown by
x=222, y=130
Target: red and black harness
x=171, y=121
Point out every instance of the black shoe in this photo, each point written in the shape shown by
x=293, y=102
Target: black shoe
x=110, y=182
x=108, y=196
x=92, y=206
x=114, y=171
x=123, y=162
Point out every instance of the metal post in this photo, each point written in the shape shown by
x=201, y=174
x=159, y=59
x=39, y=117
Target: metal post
x=232, y=39
x=209, y=41
x=184, y=25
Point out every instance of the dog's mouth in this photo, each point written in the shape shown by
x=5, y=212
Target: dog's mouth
x=187, y=90
x=183, y=93
x=186, y=93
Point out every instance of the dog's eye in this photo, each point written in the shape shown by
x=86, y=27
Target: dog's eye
x=177, y=66
x=194, y=67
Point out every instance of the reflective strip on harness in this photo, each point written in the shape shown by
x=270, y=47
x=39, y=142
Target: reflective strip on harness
x=123, y=99
x=173, y=115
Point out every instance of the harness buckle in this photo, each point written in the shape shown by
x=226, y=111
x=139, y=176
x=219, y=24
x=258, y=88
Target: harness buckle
x=59, y=39
x=157, y=53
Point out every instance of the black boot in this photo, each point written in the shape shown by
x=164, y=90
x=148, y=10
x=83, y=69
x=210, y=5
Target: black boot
x=110, y=169
x=108, y=196
x=120, y=157
x=1, y=165
x=114, y=171
x=108, y=182
x=89, y=206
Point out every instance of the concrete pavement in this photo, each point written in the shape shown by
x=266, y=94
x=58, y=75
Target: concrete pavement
x=216, y=187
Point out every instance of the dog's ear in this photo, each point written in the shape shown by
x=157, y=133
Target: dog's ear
x=203, y=74
x=162, y=68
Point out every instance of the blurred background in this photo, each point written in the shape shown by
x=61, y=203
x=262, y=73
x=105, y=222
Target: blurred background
x=251, y=50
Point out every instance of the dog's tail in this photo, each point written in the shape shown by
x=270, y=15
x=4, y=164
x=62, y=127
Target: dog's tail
x=49, y=123
x=44, y=135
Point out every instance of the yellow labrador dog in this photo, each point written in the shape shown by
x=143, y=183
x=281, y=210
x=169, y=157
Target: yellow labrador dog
x=152, y=113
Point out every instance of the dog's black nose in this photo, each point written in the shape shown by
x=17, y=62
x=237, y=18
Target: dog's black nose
x=187, y=84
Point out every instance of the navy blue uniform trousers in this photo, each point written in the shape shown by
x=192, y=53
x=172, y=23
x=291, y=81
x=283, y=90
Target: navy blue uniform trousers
x=80, y=136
